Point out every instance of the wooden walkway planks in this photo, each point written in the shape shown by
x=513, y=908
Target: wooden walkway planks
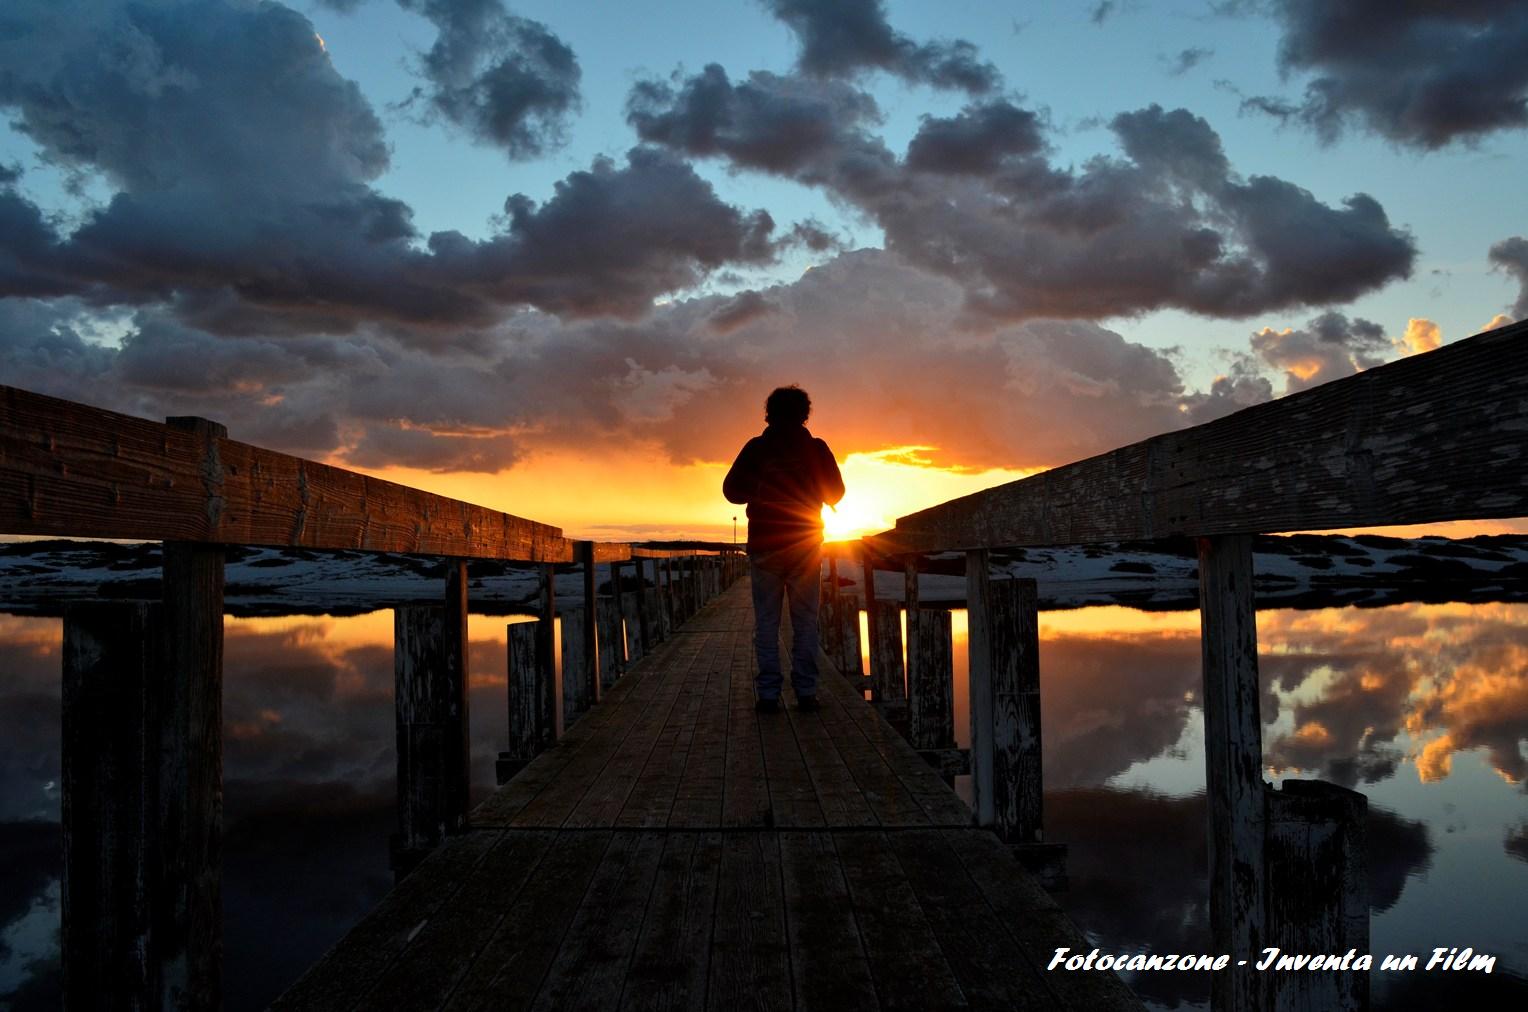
x=677, y=850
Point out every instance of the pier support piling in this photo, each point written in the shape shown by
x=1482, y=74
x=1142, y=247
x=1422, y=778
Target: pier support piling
x=1233, y=756
x=430, y=674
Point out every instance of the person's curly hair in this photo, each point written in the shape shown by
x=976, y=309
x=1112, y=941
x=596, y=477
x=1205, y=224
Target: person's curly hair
x=787, y=405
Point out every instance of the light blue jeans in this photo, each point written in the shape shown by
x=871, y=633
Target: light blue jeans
x=796, y=577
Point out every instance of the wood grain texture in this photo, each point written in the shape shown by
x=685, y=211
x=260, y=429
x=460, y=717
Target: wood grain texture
x=1233, y=761
x=534, y=714
x=1428, y=438
x=1318, y=895
x=888, y=677
x=189, y=917
x=931, y=681
x=1013, y=645
x=430, y=702
x=112, y=659
x=678, y=850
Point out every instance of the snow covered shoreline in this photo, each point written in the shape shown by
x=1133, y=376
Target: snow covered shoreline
x=1305, y=570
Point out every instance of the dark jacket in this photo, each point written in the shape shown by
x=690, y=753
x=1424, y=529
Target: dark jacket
x=784, y=474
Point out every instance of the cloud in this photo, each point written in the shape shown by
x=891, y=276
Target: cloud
x=1170, y=225
x=740, y=309
x=507, y=80
x=887, y=345
x=1421, y=335
x=1329, y=347
x=1448, y=680
x=1241, y=386
x=977, y=141
x=242, y=165
x=1511, y=257
x=1186, y=60
x=1421, y=75
x=843, y=37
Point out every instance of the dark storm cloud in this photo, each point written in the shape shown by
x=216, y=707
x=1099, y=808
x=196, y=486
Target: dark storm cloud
x=1423, y=75
x=608, y=240
x=507, y=80
x=775, y=123
x=1170, y=225
x=740, y=309
x=242, y=164
x=1511, y=256
x=1329, y=347
x=876, y=329
x=977, y=141
x=844, y=37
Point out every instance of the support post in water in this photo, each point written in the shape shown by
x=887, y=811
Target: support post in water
x=535, y=716
x=931, y=682
x=430, y=675
x=979, y=646
x=1233, y=755
x=1011, y=641
x=589, y=671
x=1318, y=893
x=142, y=783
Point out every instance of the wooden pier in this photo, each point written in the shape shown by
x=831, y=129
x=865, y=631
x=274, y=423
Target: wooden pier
x=675, y=849
x=658, y=844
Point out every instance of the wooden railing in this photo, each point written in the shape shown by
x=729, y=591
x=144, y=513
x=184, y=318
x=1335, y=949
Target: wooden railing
x=1435, y=437
x=143, y=680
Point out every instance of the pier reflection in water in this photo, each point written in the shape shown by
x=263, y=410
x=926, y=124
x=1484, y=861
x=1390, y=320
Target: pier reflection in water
x=1424, y=708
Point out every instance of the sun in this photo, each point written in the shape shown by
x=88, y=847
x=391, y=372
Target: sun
x=853, y=517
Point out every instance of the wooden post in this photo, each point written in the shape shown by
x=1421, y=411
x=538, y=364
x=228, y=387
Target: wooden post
x=575, y=687
x=1233, y=754
x=142, y=810
x=1318, y=896
x=1011, y=645
x=931, y=686
x=590, y=670
x=113, y=661
x=887, y=675
x=910, y=614
x=634, y=625
x=190, y=924
x=647, y=636
x=829, y=631
x=979, y=678
x=612, y=640
x=430, y=669
x=849, y=638
x=535, y=716
x=546, y=641
x=669, y=598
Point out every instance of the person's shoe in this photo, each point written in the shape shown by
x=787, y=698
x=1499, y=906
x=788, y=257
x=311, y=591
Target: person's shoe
x=766, y=706
x=808, y=704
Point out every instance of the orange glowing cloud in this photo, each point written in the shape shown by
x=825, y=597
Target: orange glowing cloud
x=1421, y=335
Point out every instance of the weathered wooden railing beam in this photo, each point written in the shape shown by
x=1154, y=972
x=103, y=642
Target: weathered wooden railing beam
x=1429, y=438
x=70, y=470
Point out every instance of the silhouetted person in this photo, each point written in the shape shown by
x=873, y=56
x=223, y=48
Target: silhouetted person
x=785, y=474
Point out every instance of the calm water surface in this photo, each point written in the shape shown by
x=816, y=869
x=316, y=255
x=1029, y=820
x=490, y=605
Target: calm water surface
x=1424, y=708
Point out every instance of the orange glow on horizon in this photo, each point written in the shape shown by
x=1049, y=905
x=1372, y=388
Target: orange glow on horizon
x=633, y=493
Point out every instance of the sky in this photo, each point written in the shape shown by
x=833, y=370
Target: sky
x=551, y=257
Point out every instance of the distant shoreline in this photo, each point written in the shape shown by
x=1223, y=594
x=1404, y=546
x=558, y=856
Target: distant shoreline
x=1295, y=571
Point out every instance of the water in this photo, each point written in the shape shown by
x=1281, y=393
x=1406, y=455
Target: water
x=1424, y=708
